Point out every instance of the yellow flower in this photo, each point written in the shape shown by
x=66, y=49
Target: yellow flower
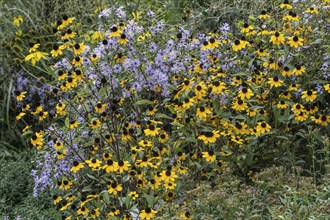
x=286, y=5
x=163, y=137
x=245, y=93
x=301, y=116
x=93, y=163
x=151, y=131
x=277, y=38
x=114, y=188
x=79, y=48
x=263, y=15
x=133, y=195
x=76, y=166
x=123, y=39
x=262, y=127
x=203, y=112
x=99, y=108
x=73, y=124
x=17, y=20
x=238, y=45
x=297, y=108
x=239, y=105
x=20, y=95
x=20, y=115
x=282, y=105
x=299, y=70
x=275, y=81
x=77, y=61
x=295, y=41
x=37, y=140
x=147, y=214
x=209, y=136
x=96, y=123
x=33, y=47
x=83, y=211
x=246, y=28
x=95, y=213
x=110, y=166
x=115, y=32
x=97, y=35
x=35, y=57
x=57, y=50
x=327, y=87
x=186, y=215
x=169, y=185
x=56, y=199
x=209, y=156
x=309, y=95
x=312, y=10
x=122, y=166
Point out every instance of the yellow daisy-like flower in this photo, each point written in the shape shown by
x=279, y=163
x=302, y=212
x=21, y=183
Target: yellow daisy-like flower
x=263, y=15
x=123, y=39
x=275, y=81
x=186, y=215
x=93, y=163
x=309, y=95
x=262, y=127
x=152, y=130
x=99, y=108
x=299, y=70
x=56, y=199
x=277, y=38
x=295, y=41
x=115, y=32
x=35, y=57
x=77, y=61
x=95, y=213
x=133, y=195
x=327, y=87
x=239, y=105
x=282, y=105
x=57, y=50
x=37, y=140
x=122, y=166
x=312, y=10
x=110, y=166
x=20, y=115
x=209, y=156
x=114, y=188
x=73, y=124
x=79, y=48
x=96, y=123
x=147, y=214
x=238, y=45
x=286, y=5
x=83, y=211
x=245, y=93
x=76, y=166
x=209, y=136
x=203, y=112
x=18, y=20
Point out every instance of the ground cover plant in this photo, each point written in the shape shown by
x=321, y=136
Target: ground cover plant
x=129, y=110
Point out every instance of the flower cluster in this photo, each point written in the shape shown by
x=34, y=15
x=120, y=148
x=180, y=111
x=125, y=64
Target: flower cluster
x=138, y=106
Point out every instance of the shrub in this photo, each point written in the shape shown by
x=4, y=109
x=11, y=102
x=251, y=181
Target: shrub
x=136, y=105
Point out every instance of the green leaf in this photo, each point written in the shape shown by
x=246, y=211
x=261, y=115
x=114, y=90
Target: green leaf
x=144, y=102
x=161, y=115
x=92, y=177
x=106, y=196
x=150, y=199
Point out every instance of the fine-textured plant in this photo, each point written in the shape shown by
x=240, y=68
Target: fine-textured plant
x=135, y=106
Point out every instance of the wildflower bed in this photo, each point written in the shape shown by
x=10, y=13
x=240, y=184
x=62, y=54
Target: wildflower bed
x=132, y=109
